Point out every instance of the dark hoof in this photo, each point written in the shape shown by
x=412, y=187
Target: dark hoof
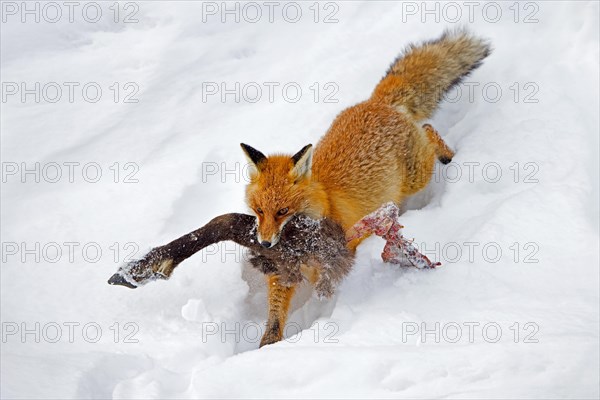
x=269, y=339
x=117, y=279
x=445, y=160
x=272, y=335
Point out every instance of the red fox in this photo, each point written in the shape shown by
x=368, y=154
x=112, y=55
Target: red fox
x=374, y=152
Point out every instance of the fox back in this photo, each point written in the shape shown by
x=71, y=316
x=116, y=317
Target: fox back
x=374, y=152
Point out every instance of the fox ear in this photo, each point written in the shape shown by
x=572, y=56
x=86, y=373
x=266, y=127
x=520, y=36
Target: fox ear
x=254, y=157
x=303, y=162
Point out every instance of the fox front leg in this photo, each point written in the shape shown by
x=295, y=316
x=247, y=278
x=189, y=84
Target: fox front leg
x=279, y=304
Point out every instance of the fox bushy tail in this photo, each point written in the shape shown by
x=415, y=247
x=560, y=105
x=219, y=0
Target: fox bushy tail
x=419, y=78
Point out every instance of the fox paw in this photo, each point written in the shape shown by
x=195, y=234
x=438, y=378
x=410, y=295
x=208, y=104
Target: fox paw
x=270, y=338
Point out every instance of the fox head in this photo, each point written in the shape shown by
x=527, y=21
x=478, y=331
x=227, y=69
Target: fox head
x=279, y=188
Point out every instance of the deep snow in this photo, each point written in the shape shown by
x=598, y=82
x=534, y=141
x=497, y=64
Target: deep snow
x=363, y=342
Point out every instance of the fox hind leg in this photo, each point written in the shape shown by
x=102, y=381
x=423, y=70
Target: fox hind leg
x=279, y=297
x=442, y=151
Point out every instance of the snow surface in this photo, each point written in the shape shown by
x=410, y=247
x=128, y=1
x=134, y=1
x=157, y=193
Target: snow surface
x=175, y=138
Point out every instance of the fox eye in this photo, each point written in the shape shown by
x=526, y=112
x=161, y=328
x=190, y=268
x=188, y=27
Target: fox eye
x=283, y=211
x=259, y=210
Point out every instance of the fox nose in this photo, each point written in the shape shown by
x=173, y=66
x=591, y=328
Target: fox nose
x=266, y=244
